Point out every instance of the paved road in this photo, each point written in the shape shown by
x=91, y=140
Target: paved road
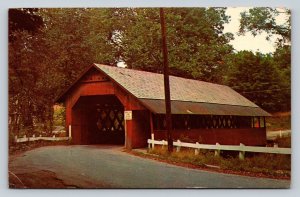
x=108, y=166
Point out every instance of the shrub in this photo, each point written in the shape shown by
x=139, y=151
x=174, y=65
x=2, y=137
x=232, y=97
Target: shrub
x=284, y=142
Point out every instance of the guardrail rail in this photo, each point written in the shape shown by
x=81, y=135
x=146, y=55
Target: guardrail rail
x=217, y=147
x=34, y=138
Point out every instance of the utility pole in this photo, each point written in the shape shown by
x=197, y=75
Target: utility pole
x=166, y=81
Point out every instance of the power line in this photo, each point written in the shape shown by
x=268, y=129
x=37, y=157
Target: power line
x=266, y=90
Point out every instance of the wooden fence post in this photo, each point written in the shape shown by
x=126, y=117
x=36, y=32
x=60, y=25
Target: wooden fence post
x=217, y=152
x=242, y=153
x=70, y=131
x=197, y=149
x=163, y=144
x=280, y=134
x=33, y=138
x=179, y=146
x=152, y=139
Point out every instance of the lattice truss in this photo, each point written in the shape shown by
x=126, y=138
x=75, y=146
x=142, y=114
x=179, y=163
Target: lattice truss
x=110, y=120
x=217, y=122
x=212, y=121
x=203, y=121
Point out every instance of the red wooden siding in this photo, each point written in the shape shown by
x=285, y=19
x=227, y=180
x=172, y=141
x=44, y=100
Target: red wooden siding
x=93, y=85
x=141, y=128
x=247, y=136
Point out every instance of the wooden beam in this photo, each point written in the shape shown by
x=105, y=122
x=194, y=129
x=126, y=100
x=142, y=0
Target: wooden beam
x=151, y=122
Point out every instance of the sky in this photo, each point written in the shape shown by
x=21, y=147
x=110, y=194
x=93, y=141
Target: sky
x=247, y=41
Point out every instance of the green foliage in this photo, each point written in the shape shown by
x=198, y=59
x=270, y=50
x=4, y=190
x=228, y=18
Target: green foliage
x=59, y=115
x=258, y=20
x=24, y=75
x=282, y=60
x=257, y=77
x=196, y=42
x=24, y=19
x=44, y=63
x=263, y=19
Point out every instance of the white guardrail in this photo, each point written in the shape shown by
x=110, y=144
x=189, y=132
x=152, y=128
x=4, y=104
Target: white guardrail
x=34, y=138
x=242, y=148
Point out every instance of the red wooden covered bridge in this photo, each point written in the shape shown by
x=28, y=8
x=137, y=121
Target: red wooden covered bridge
x=201, y=111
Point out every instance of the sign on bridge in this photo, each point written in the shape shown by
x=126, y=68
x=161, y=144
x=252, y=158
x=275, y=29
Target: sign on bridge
x=128, y=115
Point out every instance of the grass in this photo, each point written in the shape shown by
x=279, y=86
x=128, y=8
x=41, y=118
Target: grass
x=279, y=121
x=16, y=148
x=270, y=165
x=284, y=142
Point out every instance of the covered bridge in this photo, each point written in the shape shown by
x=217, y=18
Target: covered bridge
x=201, y=111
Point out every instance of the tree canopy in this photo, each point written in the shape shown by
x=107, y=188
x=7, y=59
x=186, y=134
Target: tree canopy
x=258, y=20
x=196, y=42
x=257, y=77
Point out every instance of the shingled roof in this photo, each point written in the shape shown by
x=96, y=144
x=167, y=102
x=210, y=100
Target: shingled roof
x=147, y=85
x=187, y=96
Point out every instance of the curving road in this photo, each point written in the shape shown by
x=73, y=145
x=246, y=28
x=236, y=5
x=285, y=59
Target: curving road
x=109, y=167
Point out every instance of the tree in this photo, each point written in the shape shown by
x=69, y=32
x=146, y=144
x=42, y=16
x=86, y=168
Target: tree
x=258, y=20
x=23, y=20
x=282, y=61
x=196, y=42
x=23, y=24
x=257, y=78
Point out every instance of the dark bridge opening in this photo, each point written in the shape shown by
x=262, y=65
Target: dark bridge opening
x=98, y=120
